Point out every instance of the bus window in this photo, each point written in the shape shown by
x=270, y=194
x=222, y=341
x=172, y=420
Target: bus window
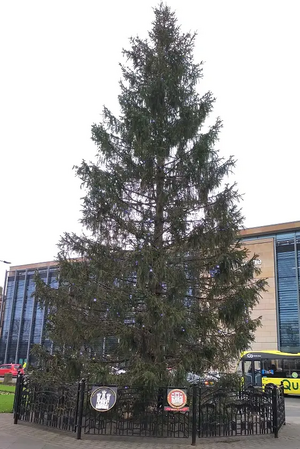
x=272, y=368
x=287, y=367
x=297, y=367
x=248, y=373
x=268, y=368
x=291, y=368
x=247, y=366
x=239, y=369
x=257, y=373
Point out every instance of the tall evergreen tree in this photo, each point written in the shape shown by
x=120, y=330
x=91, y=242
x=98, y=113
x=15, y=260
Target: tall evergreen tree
x=160, y=268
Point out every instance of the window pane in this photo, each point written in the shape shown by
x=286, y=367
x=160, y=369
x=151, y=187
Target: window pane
x=287, y=294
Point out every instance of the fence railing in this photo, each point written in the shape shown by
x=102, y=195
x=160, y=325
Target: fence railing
x=246, y=412
x=46, y=405
x=278, y=406
x=208, y=411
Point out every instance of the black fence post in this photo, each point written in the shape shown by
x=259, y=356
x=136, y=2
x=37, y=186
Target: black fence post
x=199, y=410
x=77, y=405
x=282, y=398
x=194, y=411
x=275, y=411
x=18, y=396
x=80, y=409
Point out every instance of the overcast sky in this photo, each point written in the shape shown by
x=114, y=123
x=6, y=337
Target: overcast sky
x=59, y=66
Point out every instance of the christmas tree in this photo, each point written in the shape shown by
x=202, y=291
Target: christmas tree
x=159, y=282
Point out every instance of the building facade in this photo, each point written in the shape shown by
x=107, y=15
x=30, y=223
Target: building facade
x=22, y=318
x=276, y=246
x=278, y=250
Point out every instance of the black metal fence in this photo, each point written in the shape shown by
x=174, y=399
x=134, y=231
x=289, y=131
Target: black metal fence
x=136, y=413
x=208, y=412
x=49, y=406
x=247, y=412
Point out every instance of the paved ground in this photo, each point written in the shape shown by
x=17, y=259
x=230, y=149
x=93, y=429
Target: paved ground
x=292, y=409
x=25, y=436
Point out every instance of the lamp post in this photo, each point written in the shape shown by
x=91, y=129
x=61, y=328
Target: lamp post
x=2, y=300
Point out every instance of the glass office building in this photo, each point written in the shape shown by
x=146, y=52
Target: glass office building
x=21, y=317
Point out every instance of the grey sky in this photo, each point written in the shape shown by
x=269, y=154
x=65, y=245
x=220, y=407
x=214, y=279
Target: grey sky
x=59, y=65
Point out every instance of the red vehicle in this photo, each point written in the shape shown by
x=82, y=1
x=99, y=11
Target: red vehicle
x=11, y=368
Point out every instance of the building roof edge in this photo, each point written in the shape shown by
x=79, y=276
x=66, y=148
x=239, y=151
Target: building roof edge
x=270, y=229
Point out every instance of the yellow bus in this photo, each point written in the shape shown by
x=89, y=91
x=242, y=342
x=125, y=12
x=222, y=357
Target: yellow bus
x=261, y=368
